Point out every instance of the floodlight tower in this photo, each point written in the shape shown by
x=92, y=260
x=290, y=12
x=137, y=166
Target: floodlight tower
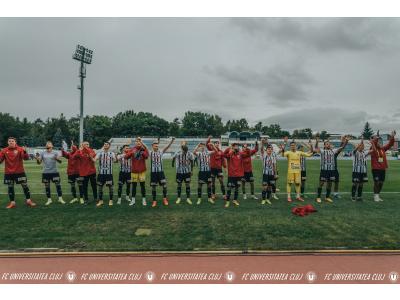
x=84, y=55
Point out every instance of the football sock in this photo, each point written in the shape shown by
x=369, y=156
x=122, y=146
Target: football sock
x=27, y=193
x=143, y=189
x=58, y=189
x=73, y=190
x=264, y=194
x=360, y=190
x=11, y=192
x=134, y=185
x=100, y=192
x=164, y=190
x=353, y=190
x=236, y=193
x=120, y=190
x=228, y=194
x=328, y=192
x=199, y=188
x=302, y=188
x=153, y=192
x=319, y=191
x=222, y=189
x=209, y=190
x=252, y=188
x=111, y=191
x=288, y=188
x=47, y=190
x=269, y=193
x=187, y=190
x=179, y=190
x=128, y=189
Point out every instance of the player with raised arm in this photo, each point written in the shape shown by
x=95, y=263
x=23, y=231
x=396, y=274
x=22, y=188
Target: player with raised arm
x=235, y=171
x=248, y=170
x=183, y=161
x=157, y=171
x=303, y=165
x=217, y=162
x=328, y=166
x=359, y=175
x=87, y=170
x=269, y=169
x=106, y=159
x=49, y=158
x=138, y=155
x=294, y=169
x=379, y=163
x=13, y=157
x=203, y=158
x=124, y=176
x=73, y=172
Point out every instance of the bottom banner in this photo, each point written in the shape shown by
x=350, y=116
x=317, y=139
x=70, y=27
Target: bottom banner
x=218, y=268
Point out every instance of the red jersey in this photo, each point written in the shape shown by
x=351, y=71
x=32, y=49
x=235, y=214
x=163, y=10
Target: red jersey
x=217, y=159
x=73, y=162
x=14, y=158
x=378, y=157
x=235, y=162
x=86, y=165
x=138, y=157
x=247, y=164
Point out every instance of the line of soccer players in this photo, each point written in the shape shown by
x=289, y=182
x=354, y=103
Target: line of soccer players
x=211, y=160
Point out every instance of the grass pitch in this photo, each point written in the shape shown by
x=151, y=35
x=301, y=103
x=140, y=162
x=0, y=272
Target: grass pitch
x=341, y=225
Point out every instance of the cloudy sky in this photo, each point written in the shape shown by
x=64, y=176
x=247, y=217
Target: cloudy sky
x=331, y=74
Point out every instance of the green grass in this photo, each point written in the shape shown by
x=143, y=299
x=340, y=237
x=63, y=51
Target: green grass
x=343, y=224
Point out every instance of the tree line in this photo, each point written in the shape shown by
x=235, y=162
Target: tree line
x=99, y=128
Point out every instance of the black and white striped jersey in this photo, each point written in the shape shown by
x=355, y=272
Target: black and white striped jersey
x=183, y=162
x=360, y=161
x=125, y=165
x=303, y=166
x=328, y=159
x=156, y=164
x=203, y=159
x=106, y=160
x=269, y=164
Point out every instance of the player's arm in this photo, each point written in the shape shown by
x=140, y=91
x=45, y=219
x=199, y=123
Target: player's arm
x=255, y=150
x=345, y=139
x=209, y=144
x=173, y=160
x=169, y=145
x=2, y=156
x=196, y=149
x=316, y=148
x=38, y=158
x=390, y=143
x=264, y=141
x=228, y=152
x=57, y=159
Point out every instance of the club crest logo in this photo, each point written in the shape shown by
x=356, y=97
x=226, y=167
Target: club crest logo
x=311, y=276
x=393, y=277
x=229, y=276
x=70, y=276
x=150, y=276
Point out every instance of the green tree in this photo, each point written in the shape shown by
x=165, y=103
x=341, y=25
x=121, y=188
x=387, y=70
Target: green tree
x=367, y=133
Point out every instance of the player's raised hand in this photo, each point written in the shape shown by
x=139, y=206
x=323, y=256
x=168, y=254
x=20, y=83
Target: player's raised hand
x=393, y=133
x=285, y=139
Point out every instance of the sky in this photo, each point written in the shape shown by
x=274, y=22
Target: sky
x=324, y=73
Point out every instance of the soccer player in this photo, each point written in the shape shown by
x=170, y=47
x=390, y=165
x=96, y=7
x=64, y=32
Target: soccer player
x=49, y=158
x=359, y=176
x=235, y=171
x=105, y=177
x=14, y=172
x=269, y=171
x=138, y=155
x=204, y=177
x=379, y=163
x=87, y=170
x=217, y=162
x=124, y=176
x=303, y=166
x=328, y=166
x=73, y=172
x=157, y=171
x=183, y=160
x=294, y=169
x=248, y=170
